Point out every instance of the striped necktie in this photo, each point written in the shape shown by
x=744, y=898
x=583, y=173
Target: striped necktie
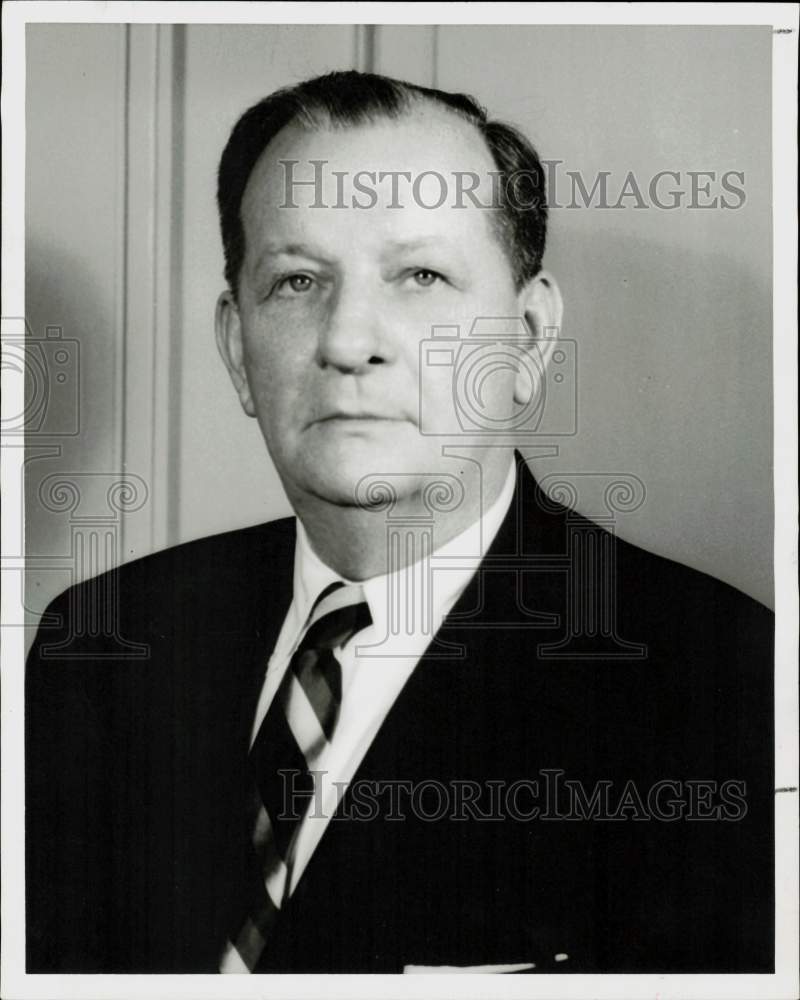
x=296, y=729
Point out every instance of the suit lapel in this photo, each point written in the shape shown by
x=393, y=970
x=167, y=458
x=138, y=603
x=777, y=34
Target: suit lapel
x=502, y=615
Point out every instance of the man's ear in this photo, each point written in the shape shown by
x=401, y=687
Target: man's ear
x=228, y=326
x=541, y=305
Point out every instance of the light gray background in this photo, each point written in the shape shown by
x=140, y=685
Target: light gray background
x=671, y=309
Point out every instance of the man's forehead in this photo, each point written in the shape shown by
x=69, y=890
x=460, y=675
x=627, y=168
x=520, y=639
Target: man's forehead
x=389, y=155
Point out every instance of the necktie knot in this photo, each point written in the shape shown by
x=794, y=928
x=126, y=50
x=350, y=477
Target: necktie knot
x=338, y=614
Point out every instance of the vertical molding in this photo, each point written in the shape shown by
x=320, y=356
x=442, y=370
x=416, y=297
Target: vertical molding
x=364, y=43
x=173, y=218
x=148, y=292
x=166, y=275
x=118, y=334
x=406, y=51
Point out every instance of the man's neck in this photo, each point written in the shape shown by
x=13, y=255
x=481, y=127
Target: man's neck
x=354, y=541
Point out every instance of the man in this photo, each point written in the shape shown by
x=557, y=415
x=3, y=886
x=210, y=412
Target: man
x=438, y=719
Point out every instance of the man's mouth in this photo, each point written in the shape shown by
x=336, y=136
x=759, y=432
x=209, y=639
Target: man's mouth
x=362, y=415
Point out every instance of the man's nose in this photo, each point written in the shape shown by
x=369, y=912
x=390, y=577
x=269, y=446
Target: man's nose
x=353, y=337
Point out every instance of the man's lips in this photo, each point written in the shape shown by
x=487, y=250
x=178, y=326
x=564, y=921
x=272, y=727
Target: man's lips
x=359, y=416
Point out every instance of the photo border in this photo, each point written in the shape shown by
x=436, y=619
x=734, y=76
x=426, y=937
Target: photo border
x=15, y=982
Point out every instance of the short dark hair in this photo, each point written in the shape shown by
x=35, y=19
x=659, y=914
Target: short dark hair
x=352, y=98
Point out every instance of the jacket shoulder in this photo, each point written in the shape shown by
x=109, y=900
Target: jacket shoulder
x=661, y=589
x=236, y=548
x=202, y=580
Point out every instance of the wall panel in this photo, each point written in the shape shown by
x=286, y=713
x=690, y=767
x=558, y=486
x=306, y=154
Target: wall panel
x=671, y=309
x=76, y=94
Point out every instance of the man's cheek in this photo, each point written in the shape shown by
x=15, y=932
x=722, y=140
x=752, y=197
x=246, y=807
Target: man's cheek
x=439, y=389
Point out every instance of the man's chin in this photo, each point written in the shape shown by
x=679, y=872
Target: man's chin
x=361, y=478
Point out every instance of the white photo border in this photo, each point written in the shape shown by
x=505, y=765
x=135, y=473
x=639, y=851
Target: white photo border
x=784, y=983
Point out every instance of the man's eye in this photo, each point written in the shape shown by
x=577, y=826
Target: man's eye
x=296, y=283
x=425, y=278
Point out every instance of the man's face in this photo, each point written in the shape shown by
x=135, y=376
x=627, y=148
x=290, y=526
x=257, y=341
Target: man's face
x=324, y=343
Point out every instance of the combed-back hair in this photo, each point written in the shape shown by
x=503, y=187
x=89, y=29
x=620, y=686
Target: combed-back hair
x=350, y=99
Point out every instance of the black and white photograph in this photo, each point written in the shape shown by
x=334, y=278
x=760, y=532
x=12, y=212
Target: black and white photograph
x=400, y=485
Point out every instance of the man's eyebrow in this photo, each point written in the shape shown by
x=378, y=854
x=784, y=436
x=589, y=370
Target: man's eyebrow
x=417, y=243
x=391, y=248
x=440, y=242
x=289, y=250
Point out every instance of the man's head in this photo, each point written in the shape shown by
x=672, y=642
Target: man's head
x=335, y=285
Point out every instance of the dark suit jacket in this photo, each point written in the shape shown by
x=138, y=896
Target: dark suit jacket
x=136, y=776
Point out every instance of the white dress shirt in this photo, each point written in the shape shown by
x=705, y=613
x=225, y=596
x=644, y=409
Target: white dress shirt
x=378, y=661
